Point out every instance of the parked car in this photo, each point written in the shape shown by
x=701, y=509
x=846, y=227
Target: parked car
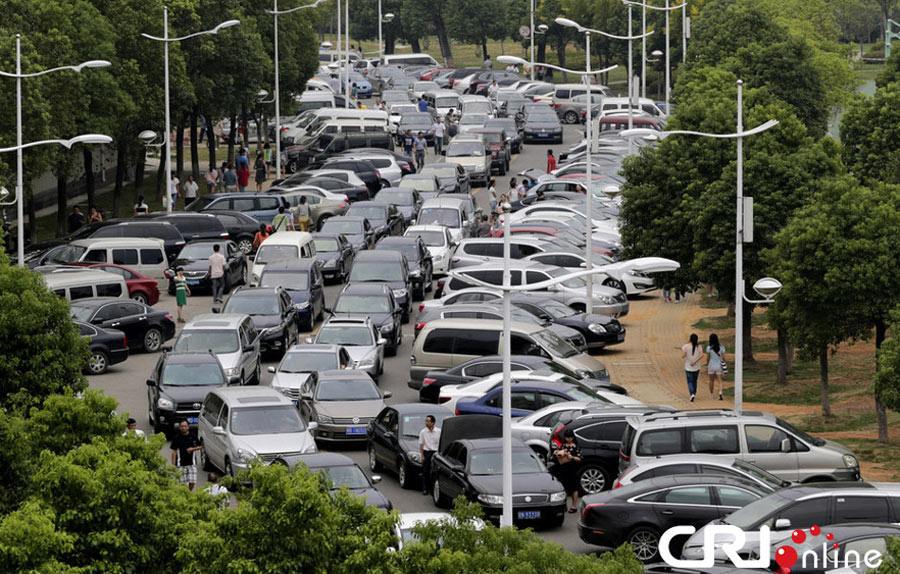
x=335, y=254
x=304, y=361
x=172, y=239
x=361, y=167
x=701, y=464
x=343, y=402
x=376, y=302
x=194, y=258
x=416, y=122
x=233, y=339
x=273, y=313
x=452, y=176
x=177, y=386
x=146, y=255
x=106, y=346
x=342, y=472
x=499, y=143
x=449, y=212
x=241, y=227
x=141, y=288
x=281, y=246
x=406, y=199
x=439, y=243
x=393, y=439
x=384, y=217
x=144, y=327
x=357, y=230
x=303, y=282
x=385, y=267
x=418, y=260
x=473, y=155
x=542, y=127
x=260, y=206
x=320, y=207
x=361, y=339
x=512, y=129
x=530, y=395
x=599, y=331
x=194, y=226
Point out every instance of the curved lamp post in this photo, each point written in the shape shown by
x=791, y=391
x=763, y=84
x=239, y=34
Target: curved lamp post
x=666, y=9
x=166, y=40
x=20, y=175
x=766, y=287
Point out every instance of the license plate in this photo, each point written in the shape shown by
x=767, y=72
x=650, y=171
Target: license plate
x=295, y=401
x=356, y=430
x=542, y=135
x=621, y=337
x=193, y=282
x=192, y=420
x=528, y=514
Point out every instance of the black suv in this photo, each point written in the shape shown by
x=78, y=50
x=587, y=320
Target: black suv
x=177, y=386
x=385, y=218
x=387, y=267
x=195, y=226
x=377, y=302
x=194, y=258
x=418, y=259
x=328, y=145
x=273, y=313
x=241, y=227
x=364, y=169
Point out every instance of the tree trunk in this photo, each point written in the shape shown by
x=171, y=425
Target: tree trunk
x=443, y=40
x=245, y=139
x=211, y=144
x=89, y=184
x=195, y=158
x=880, y=413
x=484, y=52
x=121, y=171
x=179, y=148
x=748, y=333
x=823, y=375
x=414, y=44
x=62, y=180
x=785, y=357
x=561, y=56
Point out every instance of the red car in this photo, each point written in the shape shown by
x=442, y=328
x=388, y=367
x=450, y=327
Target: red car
x=140, y=287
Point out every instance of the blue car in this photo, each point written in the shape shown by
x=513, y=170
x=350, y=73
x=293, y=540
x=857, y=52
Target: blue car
x=303, y=281
x=363, y=87
x=261, y=206
x=527, y=397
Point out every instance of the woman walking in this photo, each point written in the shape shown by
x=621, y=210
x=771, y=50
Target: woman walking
x=715, y=365
x=181, y=291
x=691, y=353
x=262, y=171
x=568, y=458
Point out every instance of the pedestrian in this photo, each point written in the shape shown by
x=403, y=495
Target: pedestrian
x=217, y=273
x=230, y=178
x=174, y=188
x=260, y=236
x=512, y=68
x=492, y=90
x=183, y=448
x=667, y=295
x=282, y=221
x=335, y=84
x=408, y=144
x=190, y=188
x=495, y=223
x=302, y=214
x=181, y=291
x=487, y=61
x=421, y=145
x=212, y=178
x=692, y=354
x=354, y=91
x=715, y=365
x=243, y=160
x=484, y=228
x=215, y=489
x=96, y=216
x=429, y=441
x=267, y=153
x=262, y=170
x=504, y=199
x=551, y=161
x=132, y=430
x=422, y=104
x=568, y=460
x=243, y=178
x=141, y=208
x=521, y=190
x=438, y=129
x=76, y=219
x=492, y=194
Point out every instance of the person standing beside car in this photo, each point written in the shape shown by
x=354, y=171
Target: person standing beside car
x=217, y=274
x=568, y=459
x=183, y=448
x=691, y=353
x=190, y=190
x=429, y=442
x=421, y=145
x=438, y=136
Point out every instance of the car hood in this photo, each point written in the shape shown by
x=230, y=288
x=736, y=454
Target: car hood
x=199, y=265
x=391, y=284
x=583, y=361
x=188, y=394
x=297, y=296
x=263, y=444
x=379, y=319
x=447, y=182
x=265, y=321
x=372, y=497
x=542, y=125
x=350, y=409
x=406, y=210
x=538, y=482
x=563, y=331
x=360, y=352
x=289, y=380
x=467, y=160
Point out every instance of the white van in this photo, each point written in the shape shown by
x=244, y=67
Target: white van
x=645, y=105
x=279, y=246
x=312, y=120
x=146, y=255
x=443, y=101
x=409, y=60
x=565, y=92
x=311, y=100
x=86, y=284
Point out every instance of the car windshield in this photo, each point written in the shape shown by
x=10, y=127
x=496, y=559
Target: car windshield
x=306, y=362
x=760, y=474
x=411, y=425
x=411, y=250
x=542, y=118
x=555, y=344
x=524, y=316
x=431, y=238
x=340, y=476
x=279, y=419
x=439, y=216
x=363, y=304
x=557, y=309
x=473, y=119
x=492, y=137
x=269, y=253
x=326, y=245
x=448, y=102
x=505, y=123
x=443, y=171
x=348, y=336
x=748, y=517
x=489, y=462
x=417, y=183
x=585, y=394
x=293, y=280
x=376, y=271
x=67, y=254
x=572, y=283
x=477, y=108
x=416, y=120
x=347, y=390
x=215, y=341
x=196, y=251
x=465, y=149
x=400, y=109
x=252, y=305
x=373, y=214
x=395, y=197
x=797, y=432
x=340, y=225
x=192, y=375
x=81, y=313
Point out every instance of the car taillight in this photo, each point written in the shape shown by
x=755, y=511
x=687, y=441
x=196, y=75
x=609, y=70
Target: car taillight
x=377, y=174
x=421, y=306
x=442, y=400
x=124, y=341
x=584, y=513
x=170, y=317
x=557, y=436
x=419, y=327
x=426, y=382
x=557, y=105
x=624, y=456
x=456, y=412
x=224, y=235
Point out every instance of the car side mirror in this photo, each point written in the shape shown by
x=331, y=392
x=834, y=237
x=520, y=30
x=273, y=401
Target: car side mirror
x=248, y=348
x=217, y=430
x=786, y=445
x=782, y=524
x=382, y=341
x=389, y=435
x=312, y=426
x=308, y=340
x=376, y=479
x=387, y=394
x=216, y=310
x=151, y=383
x=583, y=264
x=271, y=369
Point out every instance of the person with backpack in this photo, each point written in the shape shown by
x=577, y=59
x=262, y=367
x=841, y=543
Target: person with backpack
x=282, y=221
x=260, y=236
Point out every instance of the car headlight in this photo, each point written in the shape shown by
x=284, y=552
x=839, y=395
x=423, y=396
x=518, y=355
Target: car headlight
x=850, y=461
x=583, y=374
x=596, y=328
x=414, y=456
x=165, y=404
x=399, y=292
x=366, y=363
x=490, y=498
x=245, y=454
x=303, y=305
x=605, y=300
x=386, y=329
x=558, y=496
x=232, y=372
x=324, y=419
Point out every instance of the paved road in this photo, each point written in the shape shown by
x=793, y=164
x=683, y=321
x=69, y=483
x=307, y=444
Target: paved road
x=126, y=381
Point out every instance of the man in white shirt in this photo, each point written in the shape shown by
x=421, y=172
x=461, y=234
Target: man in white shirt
x=438, y=136
x=174, y=184
x=133, y=430
x=215, y=489
x=190, y=188
x=217, y=274
x=429, y=442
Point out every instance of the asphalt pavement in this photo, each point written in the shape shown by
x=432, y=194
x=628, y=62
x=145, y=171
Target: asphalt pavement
x=127, y=381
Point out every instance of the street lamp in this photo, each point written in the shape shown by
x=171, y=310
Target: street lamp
x=275, y=12
x=667, y=9
x=166, y=40
x=20, y=175
x=387, y=18
x=766, y=287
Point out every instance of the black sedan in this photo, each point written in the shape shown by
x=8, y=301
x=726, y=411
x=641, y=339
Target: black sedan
x=388, y=267
x=384, y=217
x=144, y=327
x=241, y=227
x=418, y=258
x=341, y=471
x=406, y=200
x=107, y=347
x=357, y=230
x=193, y=226
x=542, y=127
x=377, y=302
x=393, y=439
x=303, y=281
x=599, y=330
x=452, y=176
x=177, y=386
x=335, y=254
x=274, y=315
x=194, y=258
x=326, y=182
x=639, y=513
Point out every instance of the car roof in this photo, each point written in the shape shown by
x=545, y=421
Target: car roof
x=119, y=241
x=379, y=255
x=414, y=176
x=483, y=323
x=301, y=264
x=325, y=459
x=440, y=164
x=365, y=288
x=398, y=240
x=345, y=218
x=339, y=374
x=703, y=416
x=215, y=321
x=96, y=301
x=440, y=201
x=256, y=292
x=252, y=396
x=190, y=357
x=660, y=482
x=368, y=204
x=491, y=444
x=85, y=276
x=314, y=348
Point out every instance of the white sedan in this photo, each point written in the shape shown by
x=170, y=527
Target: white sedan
x=631, y=276
x=439, y=242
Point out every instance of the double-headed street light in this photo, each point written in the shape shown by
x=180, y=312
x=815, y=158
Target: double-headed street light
x=666, y=9
x=766, y=287
x=166, y=40
x=20, y=172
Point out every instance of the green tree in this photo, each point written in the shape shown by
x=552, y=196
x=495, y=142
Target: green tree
x=869, y=132
x=477, y=21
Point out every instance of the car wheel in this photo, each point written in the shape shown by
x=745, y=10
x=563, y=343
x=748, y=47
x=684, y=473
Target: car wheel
x=291, y=166
x=439, y=499
x=204, y=461
x=321, y=222
x=245, y=245
x=97, y=363
x=385, y=183
x=402, y=473
x=256, y=376
x=570, y=117
x=152, y=340
x=592, y=479
x=140, y=298
x=615, y=284
x=644, y=541
x=229, y=470
x=374, y=465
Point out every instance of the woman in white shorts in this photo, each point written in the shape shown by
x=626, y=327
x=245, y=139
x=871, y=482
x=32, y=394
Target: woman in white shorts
x=715, y=354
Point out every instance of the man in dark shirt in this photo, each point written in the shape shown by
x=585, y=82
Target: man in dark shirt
x=76, y=219
x=484, y=228
x=183, y=447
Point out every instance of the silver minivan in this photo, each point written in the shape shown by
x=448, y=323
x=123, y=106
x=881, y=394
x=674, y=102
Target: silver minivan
x=239, y=425
x=233, y=339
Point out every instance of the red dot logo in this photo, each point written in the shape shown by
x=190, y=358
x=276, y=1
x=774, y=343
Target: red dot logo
x=798, y=536
x=786, y=556
x=815, y=530
x=829, y=536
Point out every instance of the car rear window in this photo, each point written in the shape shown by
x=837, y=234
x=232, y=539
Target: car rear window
x=660, y=442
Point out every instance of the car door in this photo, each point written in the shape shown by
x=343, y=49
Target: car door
x=153, y=390
x=250, y=343
x=456, y=479
x=213, y=444
x=381, y=429
x=685, y=505
x=290, y=316
x=764, y=448
x=316, y=290
x=307, y=404
x=131, y=319
x=600, y=442
x=441, y=466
